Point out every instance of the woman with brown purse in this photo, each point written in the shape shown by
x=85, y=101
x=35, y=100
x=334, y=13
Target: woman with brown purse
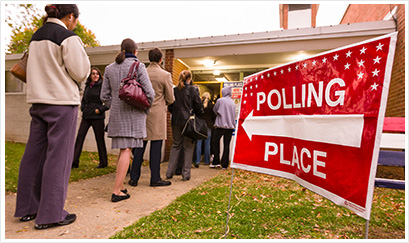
x=57, y=62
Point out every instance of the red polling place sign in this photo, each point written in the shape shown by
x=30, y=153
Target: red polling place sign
x=319, y=121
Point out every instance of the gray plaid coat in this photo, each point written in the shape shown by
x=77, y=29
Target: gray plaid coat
x=125, y=120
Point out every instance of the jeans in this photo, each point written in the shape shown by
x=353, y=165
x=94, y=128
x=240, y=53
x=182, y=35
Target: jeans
x=206, y=148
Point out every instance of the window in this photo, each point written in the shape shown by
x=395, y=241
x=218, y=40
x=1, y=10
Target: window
x=13, y=85
x=299, y=16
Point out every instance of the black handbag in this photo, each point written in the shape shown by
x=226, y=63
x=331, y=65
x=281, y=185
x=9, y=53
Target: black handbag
x=195, y=128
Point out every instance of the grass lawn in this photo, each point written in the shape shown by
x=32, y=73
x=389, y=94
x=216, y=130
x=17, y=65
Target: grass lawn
x=267, y=207
x=88, y=162
x=262, y=207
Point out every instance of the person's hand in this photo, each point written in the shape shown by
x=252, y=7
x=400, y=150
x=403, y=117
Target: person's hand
x=97, y=111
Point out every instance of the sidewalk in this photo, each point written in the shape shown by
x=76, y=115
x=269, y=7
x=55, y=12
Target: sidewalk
x=97, y=216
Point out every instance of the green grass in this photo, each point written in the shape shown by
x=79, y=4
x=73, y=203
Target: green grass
x=262, y=207
x=88, y=161
x=267, y=207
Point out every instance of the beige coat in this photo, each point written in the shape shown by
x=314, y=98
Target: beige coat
x=156, y=119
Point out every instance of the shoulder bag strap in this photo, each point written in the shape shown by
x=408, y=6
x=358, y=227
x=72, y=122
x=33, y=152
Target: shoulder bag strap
x=134, y=70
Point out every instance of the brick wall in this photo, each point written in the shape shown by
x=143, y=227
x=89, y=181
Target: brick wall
x=169, y=58
x=173, y=66
x=356, y=13
x=314, y=11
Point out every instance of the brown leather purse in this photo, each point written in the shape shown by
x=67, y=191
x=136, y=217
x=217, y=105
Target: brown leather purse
x=19, y=69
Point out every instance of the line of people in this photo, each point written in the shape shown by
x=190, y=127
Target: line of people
x=53, y=90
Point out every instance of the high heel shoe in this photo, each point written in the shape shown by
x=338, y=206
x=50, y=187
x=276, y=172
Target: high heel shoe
x=117, y=198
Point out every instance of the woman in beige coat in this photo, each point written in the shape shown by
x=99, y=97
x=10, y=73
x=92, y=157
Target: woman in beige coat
x=155, y=121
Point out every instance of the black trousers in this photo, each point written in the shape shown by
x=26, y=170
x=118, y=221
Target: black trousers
x=217, y=135
x=98, y=127
x=154, y=160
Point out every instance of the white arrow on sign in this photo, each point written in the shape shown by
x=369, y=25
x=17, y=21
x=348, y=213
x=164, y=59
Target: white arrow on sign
x=343, y=130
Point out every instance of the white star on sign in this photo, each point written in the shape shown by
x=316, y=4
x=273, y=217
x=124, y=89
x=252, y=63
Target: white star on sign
x=244, y=102
x=314, y=62
x=336, y=57
x=262, y=76
x=363, y=50
x=251, y=87
x=275, y=73
x=268, y=75
x=374, y=86
x=375, y=73
x=349, y=53
x=282, y=71
x=289, y=69
x=296, y=67
x=361, y=63
x=324, y=60
x=245, y=88
x=347, y=66
x=251, y=94
x=376, y=60
x=379, y=47
x=360, y=75
x=304, y=65
x=245, y=95
x=256, y=86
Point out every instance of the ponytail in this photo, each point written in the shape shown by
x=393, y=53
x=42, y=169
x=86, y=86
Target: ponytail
x=127, y=46
x=183, y=77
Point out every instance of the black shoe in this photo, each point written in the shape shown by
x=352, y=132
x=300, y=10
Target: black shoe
x=167, y=177
x=28, y=217
x=132, y=183
x=74, y=166
x=124, y=191
x=178, y=171
x=161, y=183
x=101, y=166
x=195, y=165
x=185, y=179
x=69, y=219
x=117, y=198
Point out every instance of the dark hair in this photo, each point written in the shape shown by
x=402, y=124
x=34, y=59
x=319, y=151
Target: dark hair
x=59, y=11
x=183, y=77
x=127, y=46
x=89, y=80
x=155, y=54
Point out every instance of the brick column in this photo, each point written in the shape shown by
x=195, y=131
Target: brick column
x=169, y=58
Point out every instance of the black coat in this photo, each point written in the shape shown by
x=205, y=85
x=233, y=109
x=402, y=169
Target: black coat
x=185, y=100
x=208, y=115
x=91, y=101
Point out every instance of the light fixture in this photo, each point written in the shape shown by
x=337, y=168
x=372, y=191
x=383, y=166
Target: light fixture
x=222, y=79
x=208, y=63
x=216, y=72
x=299, y=57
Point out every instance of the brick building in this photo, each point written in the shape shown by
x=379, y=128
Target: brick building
x=358, y=13
x=232, y=56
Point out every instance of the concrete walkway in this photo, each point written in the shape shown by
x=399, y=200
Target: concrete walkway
x=97, y=216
